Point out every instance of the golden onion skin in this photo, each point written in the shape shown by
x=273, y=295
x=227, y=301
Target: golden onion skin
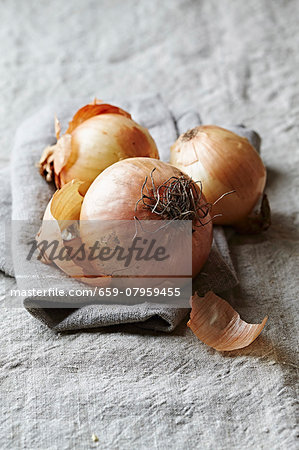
x=217, y=324
x=223, y=162
x=100, y=142
x=99, y=135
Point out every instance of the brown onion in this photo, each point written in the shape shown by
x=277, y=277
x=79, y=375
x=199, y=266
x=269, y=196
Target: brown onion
x=223, y=162
x=98, y=136
x=115, y=195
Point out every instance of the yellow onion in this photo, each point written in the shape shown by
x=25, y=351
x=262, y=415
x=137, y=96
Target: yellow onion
x=98, y=136
x=126, y=193
x=223, y=162
x=217, y=324
x=117, y=192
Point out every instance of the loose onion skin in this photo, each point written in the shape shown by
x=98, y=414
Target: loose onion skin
x=98, y=136
x=217, y=324
x=223, y=162
x=115, y=192
x=63, y=210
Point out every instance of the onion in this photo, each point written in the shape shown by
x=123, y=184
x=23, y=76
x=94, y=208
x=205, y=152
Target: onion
x=218, y=325
x=224, y=162
x=127, y=193
x=98, y=136
x=116, y=193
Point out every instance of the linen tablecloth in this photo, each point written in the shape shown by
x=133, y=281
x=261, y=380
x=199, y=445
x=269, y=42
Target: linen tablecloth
x=234, y=62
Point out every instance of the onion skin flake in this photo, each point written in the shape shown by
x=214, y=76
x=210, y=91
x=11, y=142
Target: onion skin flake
x=217, y=324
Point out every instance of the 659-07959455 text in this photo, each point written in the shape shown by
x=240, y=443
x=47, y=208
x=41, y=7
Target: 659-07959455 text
x=91, y=292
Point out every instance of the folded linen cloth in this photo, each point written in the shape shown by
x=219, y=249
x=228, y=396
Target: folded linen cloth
x=30, y=195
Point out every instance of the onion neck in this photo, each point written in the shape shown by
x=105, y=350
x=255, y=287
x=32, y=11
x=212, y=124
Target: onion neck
x=46, y=163
x=190, y=134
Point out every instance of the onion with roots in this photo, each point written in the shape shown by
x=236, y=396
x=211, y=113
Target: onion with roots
x=147, y=189
x=98, y=136
x=129, y=192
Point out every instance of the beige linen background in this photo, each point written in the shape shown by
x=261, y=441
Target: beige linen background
x=233, y=62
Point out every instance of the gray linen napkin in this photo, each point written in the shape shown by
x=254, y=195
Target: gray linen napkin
x=30, y=195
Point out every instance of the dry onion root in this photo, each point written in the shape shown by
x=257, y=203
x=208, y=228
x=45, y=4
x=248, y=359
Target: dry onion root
x=218, y=325
x=225, y=162
x=98, y=136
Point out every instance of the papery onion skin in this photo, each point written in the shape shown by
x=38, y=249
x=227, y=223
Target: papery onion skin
x=114, y=194
x=64, y=206
x=63, y=210
x=223, y=162
x=98, y=136
x=215, y=322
